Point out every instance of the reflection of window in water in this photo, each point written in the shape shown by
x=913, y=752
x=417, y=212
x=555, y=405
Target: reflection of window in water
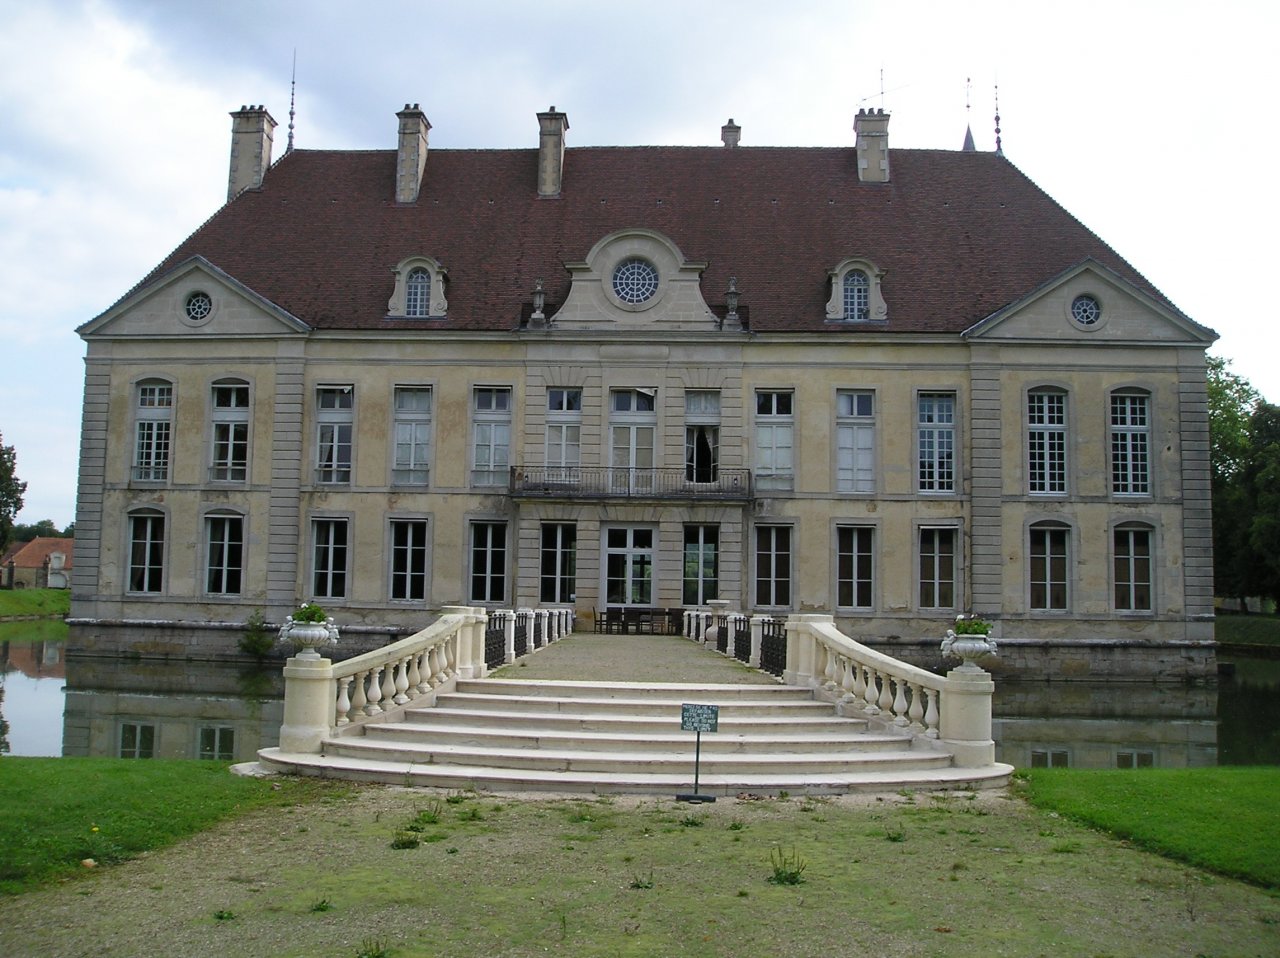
x=1135, y=759
x=1049, y=758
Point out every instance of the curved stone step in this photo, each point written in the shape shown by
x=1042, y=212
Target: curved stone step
x=630, y=704
x=810, y=721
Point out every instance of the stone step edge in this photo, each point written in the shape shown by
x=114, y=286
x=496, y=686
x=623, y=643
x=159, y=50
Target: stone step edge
x=709, y=688
x=854, y=737
x=641, y=703
x=729, y=722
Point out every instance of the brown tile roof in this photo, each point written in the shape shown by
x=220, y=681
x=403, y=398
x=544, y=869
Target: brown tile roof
x=31, y=555
x=958, y=234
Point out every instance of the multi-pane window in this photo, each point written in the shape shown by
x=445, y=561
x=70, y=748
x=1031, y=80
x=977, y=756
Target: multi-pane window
x=773, y=566
x=329, y=539
x=633, y=421
x=153, y=431
x=936, y=442
x=855, y=567
x=488, y=561
x=559, y=572
x=491, y=435
x=334, y=408
x=937, y=579
x=701, y=435
x=1049, y=570
x=564, y=428
x=701, y=564
x=1047, y=442
x=1131, y=564
x=1130, y=444
x=146, y=552
x=224, y=556
x=409, y=559
x=417, y=294
x=775, y=426
x=1135, y=758
x=217, y=743
x=412, y=427
x=229, y=455
x=628, y=577
x=137, y=740
x=856, y=290
x=855, y=441
x=1050, y=758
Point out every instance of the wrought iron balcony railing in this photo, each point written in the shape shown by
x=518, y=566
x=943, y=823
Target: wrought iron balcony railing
x=588, y=482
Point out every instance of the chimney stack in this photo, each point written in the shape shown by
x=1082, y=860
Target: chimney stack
x=251, y=134
x=730, y=134
x=551, y=129
x=872, y=127
x=411, y=153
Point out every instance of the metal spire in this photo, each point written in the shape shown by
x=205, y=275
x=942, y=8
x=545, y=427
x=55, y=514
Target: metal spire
x=968, y=127
x=999, y=149
x=293, y=88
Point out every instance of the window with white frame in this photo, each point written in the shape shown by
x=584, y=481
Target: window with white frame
x=1131, y=567
x=224, y=554
x=559, y=572
x=491, y=435
x=146, y=552
x=855, y=567
x=488, y=562
x=417, y=294
x=409, y=555
x=701, y=564
x=412, y=426
x=937, y=579
x=856, y=288
x=633, y=422
x=564, y=429
x=628, y=565
x=153, y=431
x=855, y=441
x=217, y=743
x=137, y=740
x=1049, y=569
x=773, y=566
x=1130, y=444
x=334, y=424
x=1047, y=442
x=701, y=435
x=329, y=558
x=229, y=456
x=775, y=439
x=936, y=442
x=856, y=296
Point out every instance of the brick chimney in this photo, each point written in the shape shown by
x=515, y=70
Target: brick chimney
x=251, y=132
x=551, y=129
x=872, y=127
x=411, y=153
x=730, y=134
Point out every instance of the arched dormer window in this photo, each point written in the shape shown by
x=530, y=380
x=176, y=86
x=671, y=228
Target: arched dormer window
x=419, y=290
x=417, y=303
x=855, y=293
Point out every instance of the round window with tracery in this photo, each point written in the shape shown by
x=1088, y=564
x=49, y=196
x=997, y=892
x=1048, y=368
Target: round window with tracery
x=1085, y=310
x=635, y=281
x=199, y=306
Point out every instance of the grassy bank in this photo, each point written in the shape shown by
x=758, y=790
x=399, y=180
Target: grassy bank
x=1235, y=629
x=50, y=602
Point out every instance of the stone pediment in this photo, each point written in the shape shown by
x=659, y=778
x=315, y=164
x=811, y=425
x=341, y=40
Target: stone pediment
x=1089, y=303
x=195, y=298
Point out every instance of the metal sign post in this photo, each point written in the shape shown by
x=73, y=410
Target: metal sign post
x=699, y=719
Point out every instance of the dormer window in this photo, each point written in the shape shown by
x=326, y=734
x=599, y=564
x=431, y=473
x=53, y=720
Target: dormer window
x=419, y=290
x=417, y=303
x=855, y=293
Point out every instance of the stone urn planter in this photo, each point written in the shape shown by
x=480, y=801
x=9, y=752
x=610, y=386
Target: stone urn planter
x=308, y=630
x=969, y=640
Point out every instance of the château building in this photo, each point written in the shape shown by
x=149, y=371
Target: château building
x=892, y=385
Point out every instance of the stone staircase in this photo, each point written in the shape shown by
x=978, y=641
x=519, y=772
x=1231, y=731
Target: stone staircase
x=621, y=737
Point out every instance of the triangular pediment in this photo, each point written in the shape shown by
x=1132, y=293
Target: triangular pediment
x=195, y=298
x=1090, y=303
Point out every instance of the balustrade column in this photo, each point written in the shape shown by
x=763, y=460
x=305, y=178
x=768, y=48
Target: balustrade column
x=508, y=635
x=466, y=656
x=757, y=638
x=802, y=647
x=543, y=616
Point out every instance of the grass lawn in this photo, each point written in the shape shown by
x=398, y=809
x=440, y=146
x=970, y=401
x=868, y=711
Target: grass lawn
x=1247, y=629
x=34, y=602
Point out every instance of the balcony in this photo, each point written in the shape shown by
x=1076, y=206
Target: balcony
x=561, y=482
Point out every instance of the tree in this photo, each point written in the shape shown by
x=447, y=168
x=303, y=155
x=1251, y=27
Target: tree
x=1232, y=401
x=11, y=490
x=1261, y=482
x=25, y=532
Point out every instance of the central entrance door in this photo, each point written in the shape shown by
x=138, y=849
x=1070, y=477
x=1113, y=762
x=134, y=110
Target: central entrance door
x=628, y=566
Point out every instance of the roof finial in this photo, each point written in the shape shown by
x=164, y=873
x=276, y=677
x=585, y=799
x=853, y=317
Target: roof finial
x=882, y=88
x=293, y=89
x=999, y=149
x=968, y=146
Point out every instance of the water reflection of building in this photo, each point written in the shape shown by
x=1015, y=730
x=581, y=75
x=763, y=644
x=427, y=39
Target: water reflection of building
x=1096, y=725
x=161, y=709
x=36, y=660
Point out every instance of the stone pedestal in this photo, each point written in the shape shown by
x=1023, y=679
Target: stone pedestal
x=965, y=724
x=309, y=705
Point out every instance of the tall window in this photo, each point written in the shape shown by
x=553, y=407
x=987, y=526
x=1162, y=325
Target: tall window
x=856, y=295
x=1131, y=558
x=936, y=442
x=854, y=567
x=1047, y=442
x=633, y=420
x=217, y=743
x=937, y=580
x=855, y=441
x=773, y=566
x=564, y=428
x=1130, y=444
x=224, y=565
x=146, y=552
x=628, y=577
x=417, y=294
x=1049, y=571
x=329, y=558
x=137, y=740
x=701, y=564
x=412, y=436
x=153, y=434
x=229, y=457
x=334, y=406
x=409, y=559
x=775, y=465
x=491, y=435
x=559, y=574
x=488, y=561
x=701, y=435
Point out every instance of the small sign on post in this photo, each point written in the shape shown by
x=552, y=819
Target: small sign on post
x=699, y=719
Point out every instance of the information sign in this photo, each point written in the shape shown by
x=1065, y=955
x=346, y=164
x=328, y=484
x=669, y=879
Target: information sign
x=699, y=718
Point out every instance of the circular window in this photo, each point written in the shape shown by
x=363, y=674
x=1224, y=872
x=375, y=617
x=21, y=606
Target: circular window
x=1085, y=310
x=635, y=281
x=199, y=306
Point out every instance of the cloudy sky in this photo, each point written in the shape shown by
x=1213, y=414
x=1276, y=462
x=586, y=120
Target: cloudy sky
x=1151, y=122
